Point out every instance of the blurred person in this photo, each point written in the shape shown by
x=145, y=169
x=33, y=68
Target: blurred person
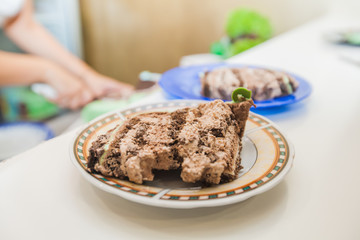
x=48, y=62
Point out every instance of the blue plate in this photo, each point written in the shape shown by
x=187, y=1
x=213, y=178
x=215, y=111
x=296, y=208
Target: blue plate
x=184, y=83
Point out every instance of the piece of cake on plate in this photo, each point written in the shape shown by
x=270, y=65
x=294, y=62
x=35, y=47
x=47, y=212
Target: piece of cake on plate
x=204, y=142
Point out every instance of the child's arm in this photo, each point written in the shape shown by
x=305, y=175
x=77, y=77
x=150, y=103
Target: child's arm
x=33, y=38
x=24, y=69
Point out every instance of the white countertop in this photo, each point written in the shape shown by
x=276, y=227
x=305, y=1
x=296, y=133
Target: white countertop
x=43, y=196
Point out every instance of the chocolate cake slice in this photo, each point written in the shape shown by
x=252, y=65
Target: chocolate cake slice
x=264, y=84
x=204, y=142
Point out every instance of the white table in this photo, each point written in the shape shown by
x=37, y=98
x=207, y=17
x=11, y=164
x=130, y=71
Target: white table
x=43, y=196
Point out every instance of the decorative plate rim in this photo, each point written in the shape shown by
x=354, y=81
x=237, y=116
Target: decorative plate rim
x=153, y=200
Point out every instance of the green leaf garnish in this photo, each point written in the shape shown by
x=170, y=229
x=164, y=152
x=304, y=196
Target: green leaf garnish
x=287, y=84
x=240, y=94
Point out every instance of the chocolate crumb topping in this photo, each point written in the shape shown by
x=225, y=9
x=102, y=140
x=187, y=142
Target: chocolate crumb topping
x=203, y=142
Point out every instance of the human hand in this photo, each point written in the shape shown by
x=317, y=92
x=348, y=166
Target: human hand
x=103, y=86
x=72, y=92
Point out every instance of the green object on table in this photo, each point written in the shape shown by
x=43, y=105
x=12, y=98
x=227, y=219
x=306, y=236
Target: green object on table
x=353, y=38
x=240, y=46
x=244, y=29
x=240, y=94
x=99, y=107
x=20, y=103
x=221, y=47
x=38, y=107
x=246, y=21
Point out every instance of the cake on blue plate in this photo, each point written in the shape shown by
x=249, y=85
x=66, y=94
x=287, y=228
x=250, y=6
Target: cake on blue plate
x=265, y=84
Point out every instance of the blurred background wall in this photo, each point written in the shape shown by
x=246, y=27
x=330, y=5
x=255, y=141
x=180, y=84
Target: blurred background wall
x=124, y=37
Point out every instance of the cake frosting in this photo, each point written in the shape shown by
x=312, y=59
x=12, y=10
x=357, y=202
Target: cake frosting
x=204, y=142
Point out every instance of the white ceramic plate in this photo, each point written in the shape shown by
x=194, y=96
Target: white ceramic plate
x=267, y=156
